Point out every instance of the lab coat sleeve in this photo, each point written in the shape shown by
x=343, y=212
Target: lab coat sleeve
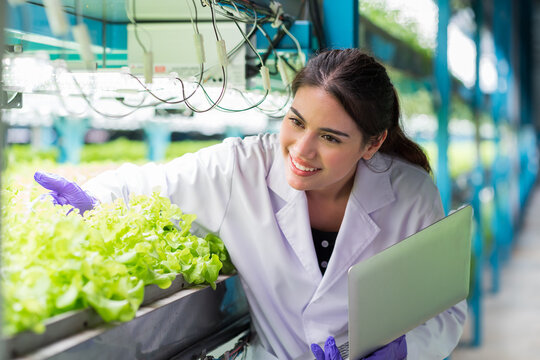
x=199, y=183
x=437, y=337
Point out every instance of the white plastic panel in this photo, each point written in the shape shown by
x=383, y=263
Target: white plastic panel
x=174, y=50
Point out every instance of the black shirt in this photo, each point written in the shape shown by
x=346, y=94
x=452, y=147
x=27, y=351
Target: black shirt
x=324, y=242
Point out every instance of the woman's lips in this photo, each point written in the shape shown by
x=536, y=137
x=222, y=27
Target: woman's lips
x=302, y=170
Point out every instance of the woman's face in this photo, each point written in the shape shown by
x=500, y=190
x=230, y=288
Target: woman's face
x=321, y=143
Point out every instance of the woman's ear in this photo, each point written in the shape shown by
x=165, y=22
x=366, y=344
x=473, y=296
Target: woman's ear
x=374, y=145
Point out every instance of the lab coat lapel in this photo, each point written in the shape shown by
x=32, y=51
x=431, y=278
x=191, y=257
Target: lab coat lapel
x=293, y=219
x=371, y=191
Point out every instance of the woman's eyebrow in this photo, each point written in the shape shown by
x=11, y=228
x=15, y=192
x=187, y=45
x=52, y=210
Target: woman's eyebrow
x=333, y=131
x=297, y=113
x=336, y=132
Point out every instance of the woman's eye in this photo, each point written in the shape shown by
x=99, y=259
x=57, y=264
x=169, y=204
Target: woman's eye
x=296, y=122
x=330, y=138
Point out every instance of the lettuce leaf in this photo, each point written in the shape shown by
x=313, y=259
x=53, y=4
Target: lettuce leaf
x=53, y=262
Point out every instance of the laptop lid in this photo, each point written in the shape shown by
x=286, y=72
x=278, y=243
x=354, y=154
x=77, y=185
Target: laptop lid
x=412, y=281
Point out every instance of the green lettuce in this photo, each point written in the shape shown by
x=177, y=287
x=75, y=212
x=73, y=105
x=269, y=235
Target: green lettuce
x=53, y=262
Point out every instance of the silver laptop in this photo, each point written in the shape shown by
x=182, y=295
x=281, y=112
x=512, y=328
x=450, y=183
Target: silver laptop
x=407, y=284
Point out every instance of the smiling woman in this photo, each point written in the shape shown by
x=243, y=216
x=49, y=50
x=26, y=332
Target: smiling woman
x=322, y=143
x=322, y=146
x=338, y=185
x=361, y=87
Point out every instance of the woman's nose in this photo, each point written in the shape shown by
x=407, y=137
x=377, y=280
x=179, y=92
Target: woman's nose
x=306, y=146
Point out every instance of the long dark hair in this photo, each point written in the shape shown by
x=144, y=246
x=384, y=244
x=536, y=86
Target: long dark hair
x=362, y=86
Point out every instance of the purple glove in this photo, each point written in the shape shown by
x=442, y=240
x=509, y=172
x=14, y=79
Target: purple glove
x=396, y=350
x=65, y=192
x=330, y=352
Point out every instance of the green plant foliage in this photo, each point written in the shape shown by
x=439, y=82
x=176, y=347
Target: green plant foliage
x=416, y=103
x=54, y=260
x=459, y=109
x=23, y=153
x=119, y=150
x=414, y=96
x=124, y=150
x=461, y=159
x=179, y=148
x=380, y=15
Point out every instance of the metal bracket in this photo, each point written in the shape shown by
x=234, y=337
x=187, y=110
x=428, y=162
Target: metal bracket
x=10, y=101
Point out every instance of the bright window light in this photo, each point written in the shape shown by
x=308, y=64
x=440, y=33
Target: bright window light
x=461, y=56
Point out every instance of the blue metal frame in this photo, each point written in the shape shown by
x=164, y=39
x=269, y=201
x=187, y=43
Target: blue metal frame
x=301, y=30
x=442, y=80
x=341, y=23
x=71, y=133
x=31, y=19
x=475, y=299
x=157, y=138
x=528, y=167
x=501, y=171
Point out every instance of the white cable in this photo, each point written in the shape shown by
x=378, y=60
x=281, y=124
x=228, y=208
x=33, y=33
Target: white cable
x=148, y=57
x=148, y=67
x=199, y=47
x=283, y=72
x=300, y=52
x=250, y=44
x=265, y=74
x=131, y=19
x=278, y=11
x=222, y=53
x=81, y=36
x=197, y=38
x=191, y=18
x=56, y=16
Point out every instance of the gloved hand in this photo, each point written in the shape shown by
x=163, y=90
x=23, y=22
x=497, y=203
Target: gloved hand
x=65, y=192
x=396, y=350
x=330, y=352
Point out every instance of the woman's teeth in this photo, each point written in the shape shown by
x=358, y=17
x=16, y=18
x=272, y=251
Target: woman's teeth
x=303, y=168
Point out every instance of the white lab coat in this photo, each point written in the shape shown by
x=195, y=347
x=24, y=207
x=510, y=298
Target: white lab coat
x=238, y=190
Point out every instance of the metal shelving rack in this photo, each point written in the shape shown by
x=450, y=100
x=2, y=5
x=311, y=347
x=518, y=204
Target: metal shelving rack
x=179, y=321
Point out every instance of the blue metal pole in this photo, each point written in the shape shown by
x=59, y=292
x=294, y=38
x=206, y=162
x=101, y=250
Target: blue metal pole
x=442, y=102
x=477, y=184
x=71, y=133
x=496, y=105
x=158, y=138
x=527, y=147
x=341, y=23
x=502, y=167
x=512, y=114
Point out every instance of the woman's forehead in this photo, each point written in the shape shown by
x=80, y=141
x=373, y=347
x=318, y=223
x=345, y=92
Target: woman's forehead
x=313, y=103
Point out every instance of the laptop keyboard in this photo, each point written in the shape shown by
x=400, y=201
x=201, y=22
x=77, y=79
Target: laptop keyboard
x=344, y=350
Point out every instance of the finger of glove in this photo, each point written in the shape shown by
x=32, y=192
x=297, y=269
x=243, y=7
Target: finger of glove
x=65, y=192
x=83, y=203
x=331, y=351
x=400, y=347
x=77, y=197
x=397, y=349
x=317, y=351
x=58, y=199
x=50, y=181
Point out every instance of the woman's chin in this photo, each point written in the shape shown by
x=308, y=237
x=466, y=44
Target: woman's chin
x=296, y=183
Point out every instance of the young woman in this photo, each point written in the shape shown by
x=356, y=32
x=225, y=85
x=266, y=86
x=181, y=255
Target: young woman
x=340, y=183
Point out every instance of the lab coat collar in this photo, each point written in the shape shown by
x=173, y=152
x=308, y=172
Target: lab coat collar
x=372, y=188
x=277, y=182
x=371, y=191
x=293, y=218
